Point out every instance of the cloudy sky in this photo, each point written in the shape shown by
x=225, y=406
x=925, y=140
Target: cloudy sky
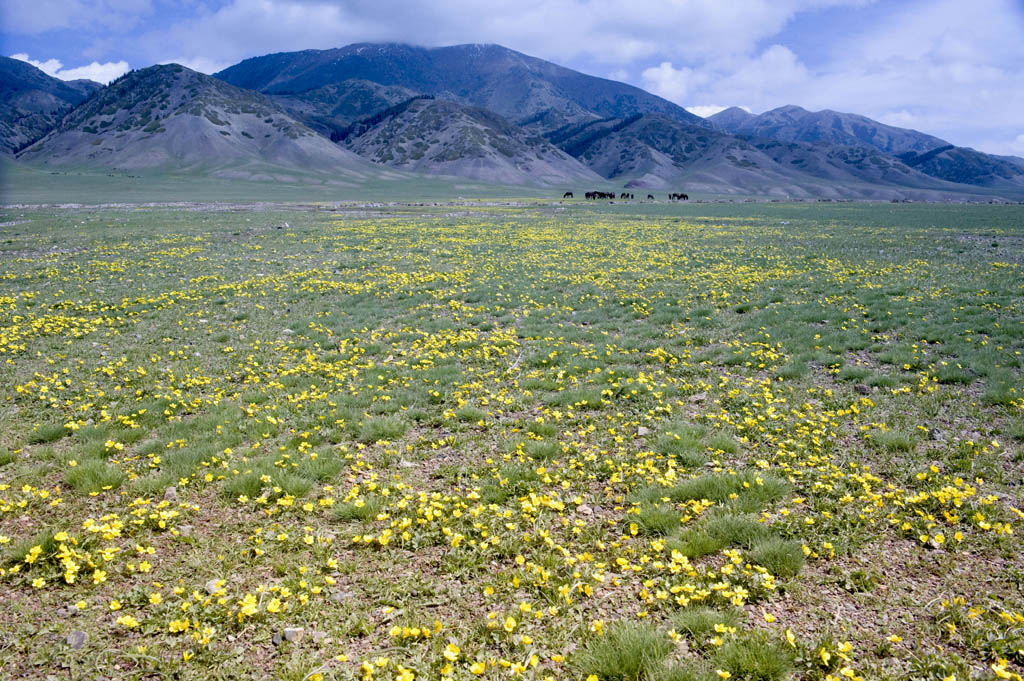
x=951, y=68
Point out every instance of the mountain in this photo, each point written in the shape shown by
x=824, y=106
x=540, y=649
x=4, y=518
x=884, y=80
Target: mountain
x=331, y=108
x=31, y=102
x=651, y=151
x=526, y=90
x=731, y=119
x=925, y=153
x=441, y=137
x=968, y=166
x=795, y=124
x=172, y=118
x=1015, y=160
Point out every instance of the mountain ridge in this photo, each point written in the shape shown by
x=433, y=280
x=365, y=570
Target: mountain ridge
x=32, y=102
x=515, y=85
x=929, y=154
x=444, y=137
x=168, y=116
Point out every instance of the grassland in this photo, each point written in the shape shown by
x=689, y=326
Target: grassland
x=622, y=443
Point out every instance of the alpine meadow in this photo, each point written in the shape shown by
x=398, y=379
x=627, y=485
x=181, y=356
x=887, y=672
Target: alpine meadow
x=515, y=439
x=589, y=340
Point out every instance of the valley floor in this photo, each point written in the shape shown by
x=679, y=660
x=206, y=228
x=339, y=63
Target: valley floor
x=538, y=440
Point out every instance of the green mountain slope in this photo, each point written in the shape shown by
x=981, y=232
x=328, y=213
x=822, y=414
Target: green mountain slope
x=32, y=102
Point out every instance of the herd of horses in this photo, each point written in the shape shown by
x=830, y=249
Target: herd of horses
x=677, y=196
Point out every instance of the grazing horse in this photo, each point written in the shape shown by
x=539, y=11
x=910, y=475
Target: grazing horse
x=650, y=197
x=678, y=197
x=567, y=195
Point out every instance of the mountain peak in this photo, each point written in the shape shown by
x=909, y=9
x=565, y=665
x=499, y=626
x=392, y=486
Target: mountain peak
x=730, y=118
x=516, y=86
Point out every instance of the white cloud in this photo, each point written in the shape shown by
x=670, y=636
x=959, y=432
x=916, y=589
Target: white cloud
x=38, y=16
x=1017, y=145
x=672, y=83
x=615, y=32
x=706, y=110
x=101, y=73
x=911, y=70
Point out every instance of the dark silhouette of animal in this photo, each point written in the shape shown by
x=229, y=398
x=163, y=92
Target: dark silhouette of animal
x=567, y=195
x=600, y=195
x=650, y=197
x=678, y=197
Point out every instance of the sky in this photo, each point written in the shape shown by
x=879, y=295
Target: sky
x=950, y=68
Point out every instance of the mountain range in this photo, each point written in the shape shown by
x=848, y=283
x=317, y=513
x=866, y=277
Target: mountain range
x=476, y=111
x=174, y=119
x=925, y=153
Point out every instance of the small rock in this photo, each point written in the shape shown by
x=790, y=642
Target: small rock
x=212, y=586
x=585, y=510
x=934, y=434
x=76, y=639
x=185, y=530
x=171, y=494
x=641, y=431
x=287, y=332
x=406, y=464
x=293, y=634
x=318, y=636
x=862, y=389
x=699, y=397
x=340, y=596
x=276, y=638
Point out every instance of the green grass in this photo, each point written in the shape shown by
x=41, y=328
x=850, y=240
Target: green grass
x=783, y=558
x=626, y=652
x=47, y=432
x=382, y=428
x=756, y=657
x=698, y=623
x=745, y=492
x=91, y=477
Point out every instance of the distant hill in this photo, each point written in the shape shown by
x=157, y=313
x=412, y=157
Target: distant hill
x=1015, y=160
x=32, y=102
x=525, y=90
x=925, y=153
x=170, y=117
x=731, y=119
x=331, y=108
x=795, y=124
x=434, y=136
x=651, y=151
x=962, y=164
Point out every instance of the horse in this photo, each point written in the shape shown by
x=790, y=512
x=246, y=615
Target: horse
x=650, y=197
x=567, y=195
